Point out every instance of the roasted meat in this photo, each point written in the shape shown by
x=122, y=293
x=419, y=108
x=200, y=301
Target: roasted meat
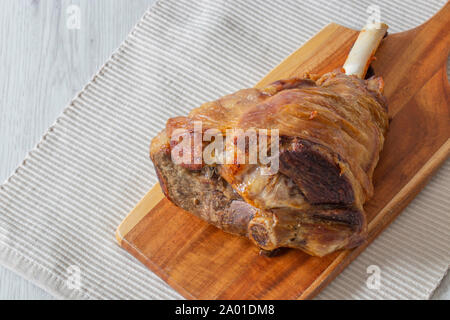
x=330, y=131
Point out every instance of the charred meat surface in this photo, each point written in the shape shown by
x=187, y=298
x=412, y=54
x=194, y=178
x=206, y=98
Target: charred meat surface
x=331, y=131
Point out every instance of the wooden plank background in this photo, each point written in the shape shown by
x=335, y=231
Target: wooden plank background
x=44, y=64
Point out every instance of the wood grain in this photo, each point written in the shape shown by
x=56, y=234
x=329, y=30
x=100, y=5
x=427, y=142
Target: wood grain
x=44, y=64
x=202, y=262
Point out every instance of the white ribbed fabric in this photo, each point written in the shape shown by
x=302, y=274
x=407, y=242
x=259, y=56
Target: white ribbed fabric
x=63, y=204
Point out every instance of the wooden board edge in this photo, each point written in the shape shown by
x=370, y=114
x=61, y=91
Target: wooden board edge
x=148, y=202
x=376, y=226
x=414, y=185
x=135, y=252
x=327, y=29
x=381, y=221
x=155, y=195
x=151, y=199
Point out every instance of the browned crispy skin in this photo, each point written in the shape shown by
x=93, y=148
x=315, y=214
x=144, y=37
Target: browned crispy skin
x=332, y=130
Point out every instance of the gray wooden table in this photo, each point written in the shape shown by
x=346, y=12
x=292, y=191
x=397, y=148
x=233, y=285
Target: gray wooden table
x=49, y=49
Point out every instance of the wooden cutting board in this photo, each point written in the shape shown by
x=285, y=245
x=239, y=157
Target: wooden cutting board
x=202, y=262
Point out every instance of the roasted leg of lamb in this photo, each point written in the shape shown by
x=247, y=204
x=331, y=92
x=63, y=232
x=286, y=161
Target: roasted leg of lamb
x=330, y=131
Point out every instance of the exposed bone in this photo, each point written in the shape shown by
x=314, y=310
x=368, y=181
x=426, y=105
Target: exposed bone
x=364, y=49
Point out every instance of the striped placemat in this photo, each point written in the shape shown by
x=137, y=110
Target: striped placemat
x=59, y=210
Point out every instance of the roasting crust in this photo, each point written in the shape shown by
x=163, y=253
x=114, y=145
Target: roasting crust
x=332, y=130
